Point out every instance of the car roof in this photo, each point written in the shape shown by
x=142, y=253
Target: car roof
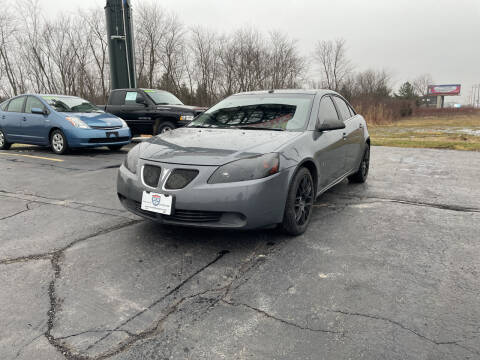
x=320, y=92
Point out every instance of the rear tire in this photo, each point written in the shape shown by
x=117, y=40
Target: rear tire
x=58, y=142
x=361, y=175
x=115, y=147
x=161, y=127
x=299, y=206
x=4, y=144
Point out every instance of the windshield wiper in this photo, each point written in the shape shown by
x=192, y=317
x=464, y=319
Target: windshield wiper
x=257, y=128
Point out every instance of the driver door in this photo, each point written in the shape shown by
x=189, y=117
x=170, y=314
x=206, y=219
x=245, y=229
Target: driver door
x=330, y=146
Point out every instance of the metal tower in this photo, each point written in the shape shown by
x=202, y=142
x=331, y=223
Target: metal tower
x=120, y=44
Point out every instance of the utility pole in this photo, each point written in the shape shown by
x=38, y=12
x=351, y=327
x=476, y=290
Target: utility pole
x=118, y=15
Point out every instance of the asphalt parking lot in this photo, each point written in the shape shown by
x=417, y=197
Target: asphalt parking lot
x=387, y=270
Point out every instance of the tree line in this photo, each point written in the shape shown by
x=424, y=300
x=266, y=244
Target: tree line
x=68, y=54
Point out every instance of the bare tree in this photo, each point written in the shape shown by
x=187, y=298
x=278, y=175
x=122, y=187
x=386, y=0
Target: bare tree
x=286, y=66
x=420, y=84
x=150, y=31
x=333, y=63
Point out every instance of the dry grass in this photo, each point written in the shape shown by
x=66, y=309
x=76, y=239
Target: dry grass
x=458, y=132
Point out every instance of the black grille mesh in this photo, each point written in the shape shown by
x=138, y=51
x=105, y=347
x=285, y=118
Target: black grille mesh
x=180, y=178
x=151, y=175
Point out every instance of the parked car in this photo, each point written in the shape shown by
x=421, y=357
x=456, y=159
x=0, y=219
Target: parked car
x=63, y=122
x=149, y=111
x=253, y=160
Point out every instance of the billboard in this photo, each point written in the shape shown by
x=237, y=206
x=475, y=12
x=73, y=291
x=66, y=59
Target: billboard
x=443, y=90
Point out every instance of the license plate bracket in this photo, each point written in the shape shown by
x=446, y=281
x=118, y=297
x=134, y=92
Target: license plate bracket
x=111, y=134
x=157, y=203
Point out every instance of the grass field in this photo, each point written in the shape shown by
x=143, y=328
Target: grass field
x=459, y=132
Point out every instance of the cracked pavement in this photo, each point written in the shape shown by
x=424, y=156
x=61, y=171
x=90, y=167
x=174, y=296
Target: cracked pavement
x=387, y=269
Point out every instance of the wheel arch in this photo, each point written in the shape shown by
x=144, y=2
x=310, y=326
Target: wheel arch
x=310, y=165
x=50, y=132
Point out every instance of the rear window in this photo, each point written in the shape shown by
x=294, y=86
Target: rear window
x=16, y=105
x=276, y=112
x=117, y=98
x=343, y=108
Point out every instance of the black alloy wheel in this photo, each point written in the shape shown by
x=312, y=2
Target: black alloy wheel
x=300, y=199
x=361, y=175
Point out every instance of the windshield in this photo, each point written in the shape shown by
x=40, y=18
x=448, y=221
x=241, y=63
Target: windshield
x=267, y=112
x=70, y=104
x=163, y=97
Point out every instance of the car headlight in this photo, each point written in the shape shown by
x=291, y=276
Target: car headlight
x=77, y=122
x=131, y=160
x=187, y=117
x=124, y=123
x=256, y=167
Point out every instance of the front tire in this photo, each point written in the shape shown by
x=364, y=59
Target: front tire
x=161, y=127
x=4, y=144
x=58, y=142
x=299, y=206
x=361, y=175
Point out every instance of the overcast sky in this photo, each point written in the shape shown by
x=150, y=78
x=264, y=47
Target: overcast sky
x=405, y=37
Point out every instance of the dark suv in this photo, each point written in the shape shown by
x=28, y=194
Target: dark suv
x=148, y=111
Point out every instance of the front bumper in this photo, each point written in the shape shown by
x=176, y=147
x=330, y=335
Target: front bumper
x=239, y=205
x=97, y=137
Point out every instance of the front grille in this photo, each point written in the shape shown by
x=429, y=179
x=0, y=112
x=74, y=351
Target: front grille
x=194, y=216
x=180, y=178
x=187, y=216
x=108, y=140
x=151, y=175
x=106, y=127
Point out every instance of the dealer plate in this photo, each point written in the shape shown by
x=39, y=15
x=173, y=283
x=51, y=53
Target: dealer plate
x=158, y=203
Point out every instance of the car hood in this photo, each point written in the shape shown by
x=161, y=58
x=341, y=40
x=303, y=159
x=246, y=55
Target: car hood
x=97, y=119
x=193, y=146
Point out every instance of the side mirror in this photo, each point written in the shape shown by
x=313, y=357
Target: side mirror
x=39, y=111
x=330, y=124
x=140, y=100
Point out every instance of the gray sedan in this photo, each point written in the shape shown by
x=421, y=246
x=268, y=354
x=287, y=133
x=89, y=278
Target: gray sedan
x=254, y=160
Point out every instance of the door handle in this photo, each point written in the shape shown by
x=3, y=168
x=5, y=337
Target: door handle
x=360, y=126
x=344, y=136
x=24, y=118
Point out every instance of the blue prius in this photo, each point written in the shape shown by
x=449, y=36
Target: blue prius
x=60, y=121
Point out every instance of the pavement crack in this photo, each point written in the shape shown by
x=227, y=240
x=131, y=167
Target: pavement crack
x=450, y=207
x=27, y=208
x=66, y=203
x=50, y=254
x=55, y=302
x=172, y=291
x=283, y=321
x=94, y=331
x=400, y=325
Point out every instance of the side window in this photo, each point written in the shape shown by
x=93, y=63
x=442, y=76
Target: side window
x=33, y=102
x=117, y=98
x=131, y=98
x=343, y=108
x=327, y=110
x=16, y=105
